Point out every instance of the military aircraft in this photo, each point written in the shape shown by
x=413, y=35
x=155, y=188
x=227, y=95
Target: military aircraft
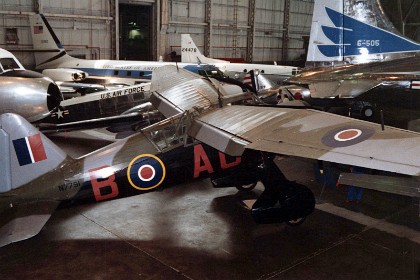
x=51, y=56
x=25, y=92
x=358, y=62
x=123, y=109
x=204, y=135
x=191, y=54
x=38, y=99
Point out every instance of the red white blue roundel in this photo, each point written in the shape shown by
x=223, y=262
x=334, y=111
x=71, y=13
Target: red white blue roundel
x=146, y=172
x=346, y=136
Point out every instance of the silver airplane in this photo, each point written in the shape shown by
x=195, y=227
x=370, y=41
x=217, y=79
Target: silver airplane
x=204, y=136
x=357, y=64
x=27, y=93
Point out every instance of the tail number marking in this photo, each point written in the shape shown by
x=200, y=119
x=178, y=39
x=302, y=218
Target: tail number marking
x=368, y=43
x=189, y=50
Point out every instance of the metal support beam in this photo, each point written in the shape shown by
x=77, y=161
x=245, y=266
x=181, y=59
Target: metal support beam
x=38, y=7
x=209, y=29
x=286, y=21
x=115, y=27
x=162, y=27
x=251, y=32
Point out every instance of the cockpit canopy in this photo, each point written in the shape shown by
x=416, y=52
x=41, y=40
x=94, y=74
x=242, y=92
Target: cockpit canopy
x=9, y=62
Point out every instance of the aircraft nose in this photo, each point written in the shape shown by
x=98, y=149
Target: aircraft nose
x=54, y=96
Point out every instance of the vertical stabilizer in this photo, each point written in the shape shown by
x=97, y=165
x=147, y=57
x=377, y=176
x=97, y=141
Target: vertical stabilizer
x=49, y=51
x=354, y=31
x=30, y=170
x=191, y=54
x=25, y=153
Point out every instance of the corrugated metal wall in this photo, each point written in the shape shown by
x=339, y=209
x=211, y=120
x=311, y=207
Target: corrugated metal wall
x=85, y=28
x=231, y=26
x=89, y=28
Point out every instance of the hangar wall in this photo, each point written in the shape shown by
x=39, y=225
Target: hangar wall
x=242, y=30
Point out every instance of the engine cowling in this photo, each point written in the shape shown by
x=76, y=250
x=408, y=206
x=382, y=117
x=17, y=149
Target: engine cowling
x=65, y=75
x=29, y=94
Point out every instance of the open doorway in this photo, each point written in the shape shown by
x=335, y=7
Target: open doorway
x=136, y=27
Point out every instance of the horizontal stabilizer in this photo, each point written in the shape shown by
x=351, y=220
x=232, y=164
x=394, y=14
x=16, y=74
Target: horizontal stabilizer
x=23, y=221
x=395, y=185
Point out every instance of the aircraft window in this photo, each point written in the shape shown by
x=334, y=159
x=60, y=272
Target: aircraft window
x=212, y=73
x=169, y=133
x=8, y=63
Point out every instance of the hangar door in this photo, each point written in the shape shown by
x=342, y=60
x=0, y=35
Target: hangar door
x=136, y=29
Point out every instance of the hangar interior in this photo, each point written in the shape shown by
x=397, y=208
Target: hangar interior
x=193, y=230
x=239, y=30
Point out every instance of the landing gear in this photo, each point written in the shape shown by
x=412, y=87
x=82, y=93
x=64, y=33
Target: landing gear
x=367, y=112
x=282, y=200
x=362, y=109
x=290, y=206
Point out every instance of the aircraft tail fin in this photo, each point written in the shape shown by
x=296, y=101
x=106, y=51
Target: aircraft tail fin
x=25, y=153
x=28, y=166
x=49, y=50
x=191, y=54
x=354, y=31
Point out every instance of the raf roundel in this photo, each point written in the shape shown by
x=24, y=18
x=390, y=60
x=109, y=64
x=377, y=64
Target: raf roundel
x=146, y=172
x=346, y=136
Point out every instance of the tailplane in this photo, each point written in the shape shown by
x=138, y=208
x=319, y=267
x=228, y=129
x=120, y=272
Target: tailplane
x=354, y=31
x=191, y=54
x=49, y=50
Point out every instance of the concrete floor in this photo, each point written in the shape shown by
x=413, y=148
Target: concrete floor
x=193, y=231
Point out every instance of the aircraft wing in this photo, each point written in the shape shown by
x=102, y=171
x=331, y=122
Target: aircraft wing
x=286, y=131
x=310, y=134
x=343, y=88
x=20, y=222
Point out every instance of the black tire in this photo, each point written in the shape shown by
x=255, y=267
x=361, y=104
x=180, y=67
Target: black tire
x=367, y=112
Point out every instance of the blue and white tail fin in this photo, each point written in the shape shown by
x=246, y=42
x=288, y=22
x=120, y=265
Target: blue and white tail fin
x=49, y=50
x=25, y=153
x=354, y=31
x=191, y=54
